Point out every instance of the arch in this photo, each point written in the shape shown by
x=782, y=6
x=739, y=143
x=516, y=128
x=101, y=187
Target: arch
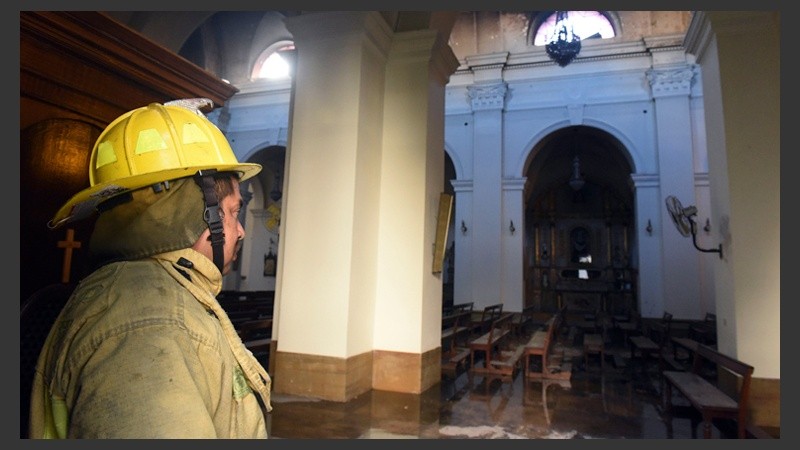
x=270, y=31
x=457, y=164
x=538, y=18
x=538, y=140
x=283, y=50
x=258, y=239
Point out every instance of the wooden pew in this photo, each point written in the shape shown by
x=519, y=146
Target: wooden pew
x=630, y=326
x=482, y=323
x=706, y=331
x=455, y=329
x=501, y=360
x=490, y=342
x=654, y=344
x=522, y=320
x=675, y=362
x=466, y=306
x=706, y=393
x=539, y=346
x=257, y=337
x=242, y=306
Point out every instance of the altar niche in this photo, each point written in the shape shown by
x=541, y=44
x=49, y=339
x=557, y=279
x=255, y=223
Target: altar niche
x=580, y=258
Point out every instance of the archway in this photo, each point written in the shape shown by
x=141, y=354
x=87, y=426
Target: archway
x=579, y=208
x=254, y=269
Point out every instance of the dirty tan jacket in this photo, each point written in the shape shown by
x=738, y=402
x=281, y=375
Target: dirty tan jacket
x=144, y=350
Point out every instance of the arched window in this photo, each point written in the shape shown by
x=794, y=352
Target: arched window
x=275, y=62
x=586, y=24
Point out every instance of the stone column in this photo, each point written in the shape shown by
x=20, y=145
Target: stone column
x=513, y=231
x=329, y=231
x=359, y=305
x=671, y=88
x=407, y=335
x=487, y=101
x=462, y=277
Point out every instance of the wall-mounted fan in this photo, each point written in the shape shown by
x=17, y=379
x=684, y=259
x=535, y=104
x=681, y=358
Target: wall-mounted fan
x=683, y=218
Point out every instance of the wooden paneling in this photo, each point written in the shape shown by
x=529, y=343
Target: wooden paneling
x=86, y=64
x=82, y=69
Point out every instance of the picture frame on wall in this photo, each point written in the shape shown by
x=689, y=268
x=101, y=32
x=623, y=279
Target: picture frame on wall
x=442, y=225
x=270, y=264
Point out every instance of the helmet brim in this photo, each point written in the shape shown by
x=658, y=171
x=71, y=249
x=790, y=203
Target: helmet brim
x=84, y=203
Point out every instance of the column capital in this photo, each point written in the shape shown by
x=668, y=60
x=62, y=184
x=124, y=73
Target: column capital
x=461, y=185
x=644, y=180
x=514, y=184
x=489, y=96
x=671, y=82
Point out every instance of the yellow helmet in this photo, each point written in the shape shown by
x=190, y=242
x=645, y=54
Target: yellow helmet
x=150, y=145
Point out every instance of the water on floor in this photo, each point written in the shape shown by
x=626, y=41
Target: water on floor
x=618, y=399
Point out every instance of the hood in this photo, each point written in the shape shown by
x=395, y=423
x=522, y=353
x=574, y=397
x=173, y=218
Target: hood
x=152, y=223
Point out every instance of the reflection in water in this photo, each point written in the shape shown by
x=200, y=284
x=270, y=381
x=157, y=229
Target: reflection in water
x=618, y=401
x=543, y=385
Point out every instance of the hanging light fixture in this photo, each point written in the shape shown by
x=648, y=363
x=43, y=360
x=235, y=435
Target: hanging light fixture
x=576, y=182
x=276, y=193
x=564, y=45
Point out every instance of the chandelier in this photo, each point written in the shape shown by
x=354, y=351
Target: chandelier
x=564, y=45
x=576, y=182
x=276, y=193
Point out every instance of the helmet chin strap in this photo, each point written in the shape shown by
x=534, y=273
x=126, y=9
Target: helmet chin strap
x=205, y=179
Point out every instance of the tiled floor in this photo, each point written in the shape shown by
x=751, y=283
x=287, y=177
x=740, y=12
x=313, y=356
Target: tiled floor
x=621, y=400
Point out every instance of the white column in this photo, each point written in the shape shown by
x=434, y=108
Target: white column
x=513, y=231
x=462, y=275
x=650, y=286
x=360, y=306
x=329, y=228
x=487, y=100
x=409, y=295
x=681, y=271
x=743, y=119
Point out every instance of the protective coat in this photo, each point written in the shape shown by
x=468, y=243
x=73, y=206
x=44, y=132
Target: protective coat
x=143, y=349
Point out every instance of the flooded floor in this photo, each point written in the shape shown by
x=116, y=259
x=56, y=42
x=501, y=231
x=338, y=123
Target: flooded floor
x=618, y=399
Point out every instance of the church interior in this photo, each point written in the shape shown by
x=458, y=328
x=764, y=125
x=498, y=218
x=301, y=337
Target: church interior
x=605, y=196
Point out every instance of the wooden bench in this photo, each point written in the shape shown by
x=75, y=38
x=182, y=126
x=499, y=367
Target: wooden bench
x=480, y=323
x=540, y=344
x=504, y=360
x=466, y=306
x=455, y=326
x=594, y=344
x=257, y=337
x=706, y=394
x=490, y=342
x=455, y=331
x=243, y=306
x=654, y=343
x=706, y=331
x=629, y=325
x=522, y=320
x=675, y=361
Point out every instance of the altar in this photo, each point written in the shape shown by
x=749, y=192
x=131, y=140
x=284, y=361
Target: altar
x=582, y=296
